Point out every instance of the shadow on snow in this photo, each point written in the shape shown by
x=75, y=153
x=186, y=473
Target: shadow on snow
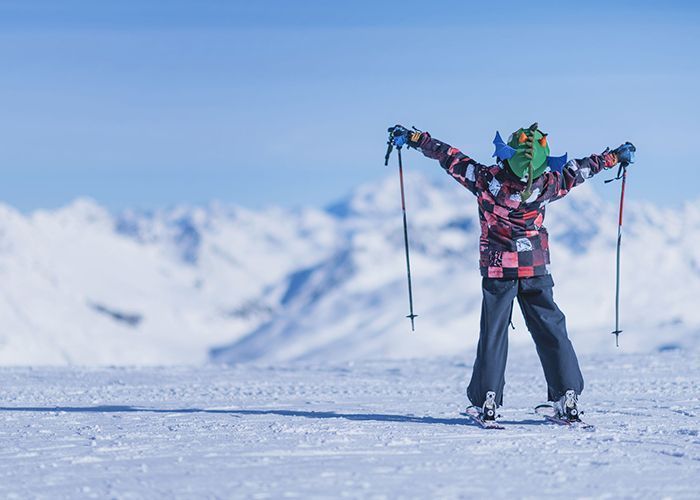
x=363, y=417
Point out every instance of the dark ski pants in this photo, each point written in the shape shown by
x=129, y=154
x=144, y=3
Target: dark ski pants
x=547, y=326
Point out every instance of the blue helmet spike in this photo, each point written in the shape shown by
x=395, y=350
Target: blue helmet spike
x=556, y=163
x=503, y=150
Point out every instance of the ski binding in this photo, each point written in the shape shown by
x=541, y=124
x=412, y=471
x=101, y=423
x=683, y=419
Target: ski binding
x=475, y=415
x=549, y=413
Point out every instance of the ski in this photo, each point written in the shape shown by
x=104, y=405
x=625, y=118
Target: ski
x=475, y=416
x=547, y=411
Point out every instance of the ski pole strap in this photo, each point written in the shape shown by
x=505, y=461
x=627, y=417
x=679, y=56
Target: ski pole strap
x=621, y=171
x=389, y=149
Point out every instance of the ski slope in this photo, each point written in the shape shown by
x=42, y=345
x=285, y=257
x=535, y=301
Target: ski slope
x=371, y=429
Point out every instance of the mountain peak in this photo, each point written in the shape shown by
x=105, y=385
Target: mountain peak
x=383, y=197
x=83, y=210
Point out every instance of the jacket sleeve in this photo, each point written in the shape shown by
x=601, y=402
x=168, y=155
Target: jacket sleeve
x=462, y=168
x=575, y=172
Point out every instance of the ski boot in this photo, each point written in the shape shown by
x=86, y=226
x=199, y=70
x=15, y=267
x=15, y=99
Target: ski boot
x=567, y=407
x=488, y=410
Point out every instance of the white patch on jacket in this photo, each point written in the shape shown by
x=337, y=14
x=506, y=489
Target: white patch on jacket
x=533, y=196
x=470, y=173
x=575, y=167
x=523, y=245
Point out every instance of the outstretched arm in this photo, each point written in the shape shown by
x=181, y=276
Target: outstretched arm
x=457, y=164
x=575, y=172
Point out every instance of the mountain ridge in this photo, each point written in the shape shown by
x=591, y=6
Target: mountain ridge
x=190, y=283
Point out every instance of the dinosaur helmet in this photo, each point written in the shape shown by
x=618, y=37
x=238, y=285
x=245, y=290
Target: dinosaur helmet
x=527, y=152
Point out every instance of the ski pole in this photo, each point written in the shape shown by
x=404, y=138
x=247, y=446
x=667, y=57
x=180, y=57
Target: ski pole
x=389, y=149
x=621, y=174
x=411, y=316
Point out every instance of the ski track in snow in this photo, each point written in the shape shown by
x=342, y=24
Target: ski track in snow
x=372, y=429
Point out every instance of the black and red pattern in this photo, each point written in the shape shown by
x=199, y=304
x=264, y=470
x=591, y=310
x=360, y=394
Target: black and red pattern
x=514, y=242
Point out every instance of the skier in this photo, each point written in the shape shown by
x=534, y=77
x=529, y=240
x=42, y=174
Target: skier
x=514, y=255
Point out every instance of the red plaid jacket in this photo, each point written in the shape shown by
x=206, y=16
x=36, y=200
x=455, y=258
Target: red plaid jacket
x=514, y=242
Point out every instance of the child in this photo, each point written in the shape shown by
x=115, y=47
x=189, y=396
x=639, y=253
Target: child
x=514, y=254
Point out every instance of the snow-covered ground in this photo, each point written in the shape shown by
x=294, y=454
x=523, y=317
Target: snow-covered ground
x=371, y=429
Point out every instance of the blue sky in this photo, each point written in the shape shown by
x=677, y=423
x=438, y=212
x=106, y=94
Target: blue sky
x=144, y=103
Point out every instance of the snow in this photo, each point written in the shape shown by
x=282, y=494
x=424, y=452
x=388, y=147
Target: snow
x=369, y=429
x=196, y=276
x=188, y=284
x=358, y=310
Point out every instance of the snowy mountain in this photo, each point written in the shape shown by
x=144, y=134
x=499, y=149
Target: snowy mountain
x=352, y=304
x=180, y=285
x=83, y=286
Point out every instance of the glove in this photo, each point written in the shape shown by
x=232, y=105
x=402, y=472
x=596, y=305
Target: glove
x=625, y=153
x=400, y=136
